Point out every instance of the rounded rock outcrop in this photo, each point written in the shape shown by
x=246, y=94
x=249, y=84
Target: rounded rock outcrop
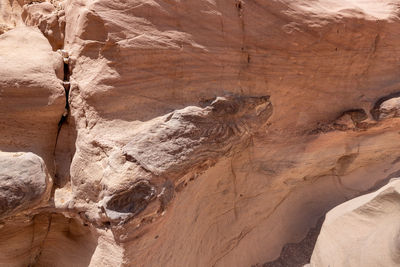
x=24, y=183
x=362, y=232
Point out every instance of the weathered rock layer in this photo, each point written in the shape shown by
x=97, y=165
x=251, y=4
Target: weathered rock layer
x=189, y=133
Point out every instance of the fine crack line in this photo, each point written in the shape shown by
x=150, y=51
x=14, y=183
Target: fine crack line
x=236, y=241
x=234, y=177
x=50, y=218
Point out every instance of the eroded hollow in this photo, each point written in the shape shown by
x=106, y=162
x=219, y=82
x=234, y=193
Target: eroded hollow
x=133, y=200
x=357, y=115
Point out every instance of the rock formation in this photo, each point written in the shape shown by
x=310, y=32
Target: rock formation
x=189, y=133
x=32, y=187
x=362, y=232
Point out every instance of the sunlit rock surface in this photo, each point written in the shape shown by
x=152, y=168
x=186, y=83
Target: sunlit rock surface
x=362, y=232
x=193, y=133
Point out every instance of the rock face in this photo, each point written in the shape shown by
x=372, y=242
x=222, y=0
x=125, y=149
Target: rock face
x=32, y=97
x=49, y=18
x=24, y=183
x=192, y=133
x=189, y=137
x=362, y=232
x=389, y=108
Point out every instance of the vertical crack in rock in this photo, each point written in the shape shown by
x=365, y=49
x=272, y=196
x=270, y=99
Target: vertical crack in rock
x=41, y=246
x=376, y=42
x=244, y=53
x=239, y=6
x=66, y=85
x=234, y=183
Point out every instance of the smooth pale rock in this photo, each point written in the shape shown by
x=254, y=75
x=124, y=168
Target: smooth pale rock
x=390, y=108
x=364, y=231
x=24, y=183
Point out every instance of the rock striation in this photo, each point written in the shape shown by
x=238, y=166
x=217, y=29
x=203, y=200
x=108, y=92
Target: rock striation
x=32, y=97
x=188, y=137
x=190, y=133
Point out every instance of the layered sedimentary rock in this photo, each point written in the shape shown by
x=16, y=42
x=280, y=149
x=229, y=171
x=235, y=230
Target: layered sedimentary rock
x=32, y=98
x=362, y=232
x=195, y=133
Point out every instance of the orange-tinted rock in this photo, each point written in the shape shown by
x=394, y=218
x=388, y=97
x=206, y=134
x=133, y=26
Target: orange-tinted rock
x=198, y=132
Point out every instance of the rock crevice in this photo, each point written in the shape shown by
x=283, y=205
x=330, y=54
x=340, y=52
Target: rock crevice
x=172, y=142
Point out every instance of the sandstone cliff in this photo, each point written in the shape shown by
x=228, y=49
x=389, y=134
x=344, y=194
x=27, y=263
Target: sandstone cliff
x=190, y=133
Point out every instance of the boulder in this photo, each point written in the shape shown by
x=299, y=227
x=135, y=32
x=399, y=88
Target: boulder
x=25, y=183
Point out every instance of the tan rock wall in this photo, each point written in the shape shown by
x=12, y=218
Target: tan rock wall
x=199, y=132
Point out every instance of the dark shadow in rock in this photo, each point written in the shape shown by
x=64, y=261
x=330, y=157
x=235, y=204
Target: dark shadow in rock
x=297, y=254
x=126, y=204
x=65, y=151
x=381, y=183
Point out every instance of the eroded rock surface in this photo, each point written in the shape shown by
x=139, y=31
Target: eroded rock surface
x=49, y=17
x=193, y=133
x=185, y=138
x=389, y=108
x=126, y=204
x=32, y=98
x=24, y=183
